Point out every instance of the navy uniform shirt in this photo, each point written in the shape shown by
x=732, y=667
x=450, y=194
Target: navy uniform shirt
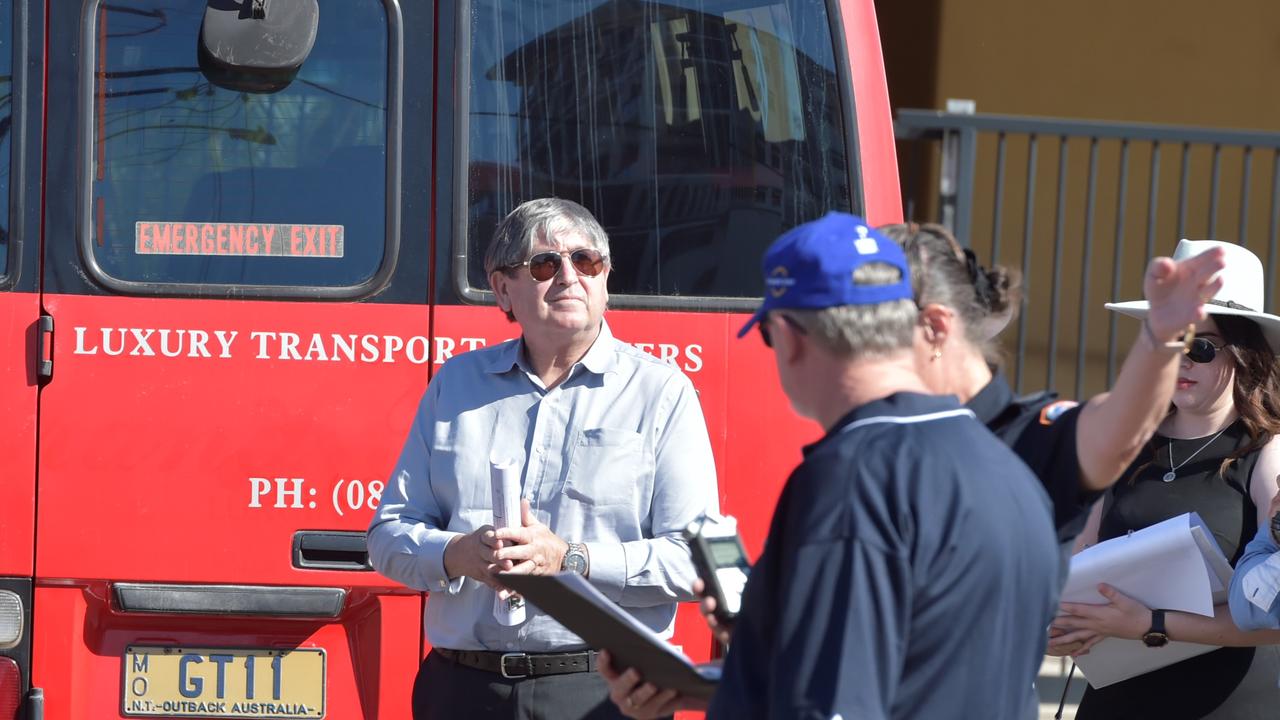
x=1041, y=429
x=910, y=572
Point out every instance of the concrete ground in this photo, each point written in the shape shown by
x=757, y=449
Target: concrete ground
x=1052, y=680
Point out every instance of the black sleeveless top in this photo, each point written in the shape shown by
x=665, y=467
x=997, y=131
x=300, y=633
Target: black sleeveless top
x=1194, y=687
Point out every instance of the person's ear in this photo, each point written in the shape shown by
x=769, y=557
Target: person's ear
x=501, y=293
x=938, y=322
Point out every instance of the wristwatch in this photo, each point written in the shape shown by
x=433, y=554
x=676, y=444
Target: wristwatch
x=1156, y=636
x=575, y=560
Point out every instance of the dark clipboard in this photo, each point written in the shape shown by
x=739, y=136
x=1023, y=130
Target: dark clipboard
x=574, y=603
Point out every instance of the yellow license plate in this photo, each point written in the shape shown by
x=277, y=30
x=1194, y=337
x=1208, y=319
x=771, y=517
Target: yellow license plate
x=217, y=683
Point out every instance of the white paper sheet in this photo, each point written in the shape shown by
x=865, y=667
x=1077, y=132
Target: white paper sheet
x=1174, y=565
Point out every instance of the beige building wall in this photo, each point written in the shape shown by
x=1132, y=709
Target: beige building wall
x=1185, y=62
x=1174, y=62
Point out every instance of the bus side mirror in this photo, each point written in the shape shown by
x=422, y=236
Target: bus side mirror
x=256, y=45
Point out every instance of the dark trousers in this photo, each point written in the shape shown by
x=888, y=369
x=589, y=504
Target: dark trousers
x=445, y=690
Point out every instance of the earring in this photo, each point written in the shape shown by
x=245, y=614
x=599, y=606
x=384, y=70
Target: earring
x=937, y=354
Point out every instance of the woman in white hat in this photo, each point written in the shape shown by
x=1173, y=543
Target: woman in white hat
x=1212, y=455
x=1077, y=451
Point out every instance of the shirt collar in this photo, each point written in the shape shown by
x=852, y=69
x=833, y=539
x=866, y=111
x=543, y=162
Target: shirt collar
x=601, y=357
x=900, y=404
x=991, y=400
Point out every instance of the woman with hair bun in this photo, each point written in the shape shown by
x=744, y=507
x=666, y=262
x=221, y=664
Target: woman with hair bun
x=1076, y=450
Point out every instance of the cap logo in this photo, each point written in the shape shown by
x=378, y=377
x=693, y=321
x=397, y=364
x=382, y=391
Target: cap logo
x=779, y=280
x=865, y=245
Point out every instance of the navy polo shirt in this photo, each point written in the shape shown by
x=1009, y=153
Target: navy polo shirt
x=1041, y=429
x=910, y=571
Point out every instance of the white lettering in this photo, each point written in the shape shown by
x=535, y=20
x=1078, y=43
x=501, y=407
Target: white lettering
x=262, y=338
x=694, y=353
x=80, y=348
x=257, y=488
x=289, y=346
x=225, y=340
x=421, y=356
x=107, y=333
x=667, y=353
x=164, y=343
x=142, y=345
x=369, y=346
x=316, y=348
x=444, y=349
x=392, y=344
x=344, y=345
x=295, y=493
x=199, y=341
x=472, y=343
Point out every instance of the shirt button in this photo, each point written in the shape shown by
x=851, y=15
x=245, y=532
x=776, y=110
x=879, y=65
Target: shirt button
x=511, y=646
x=538, y=450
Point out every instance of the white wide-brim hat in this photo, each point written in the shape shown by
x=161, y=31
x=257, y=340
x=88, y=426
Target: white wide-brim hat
x=1243, y=288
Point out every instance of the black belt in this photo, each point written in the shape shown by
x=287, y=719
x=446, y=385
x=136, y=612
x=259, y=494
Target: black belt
x=516, y=665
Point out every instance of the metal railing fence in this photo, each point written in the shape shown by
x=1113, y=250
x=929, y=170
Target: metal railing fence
x=1079, y=207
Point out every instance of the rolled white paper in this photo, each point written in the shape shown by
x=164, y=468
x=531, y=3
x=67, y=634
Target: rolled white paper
x=504, y=477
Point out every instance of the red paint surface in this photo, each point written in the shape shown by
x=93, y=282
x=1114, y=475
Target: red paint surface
x=18, y=313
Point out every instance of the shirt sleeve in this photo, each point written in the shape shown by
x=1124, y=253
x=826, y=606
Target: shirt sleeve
x=659, y=569
x=1255, y=588
x=1049, y=448
x=405, y=541
x=846, y=599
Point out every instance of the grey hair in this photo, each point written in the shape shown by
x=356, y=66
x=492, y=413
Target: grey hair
x=855, y=332
x=514, y=238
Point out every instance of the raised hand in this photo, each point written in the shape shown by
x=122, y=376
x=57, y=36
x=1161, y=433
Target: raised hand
x=1178, y=290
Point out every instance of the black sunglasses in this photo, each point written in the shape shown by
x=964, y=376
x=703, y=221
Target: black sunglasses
x=1202, y=351
x=546, y=265
x=764, y=330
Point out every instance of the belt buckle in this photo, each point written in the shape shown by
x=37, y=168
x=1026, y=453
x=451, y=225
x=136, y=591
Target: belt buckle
x=502, y=665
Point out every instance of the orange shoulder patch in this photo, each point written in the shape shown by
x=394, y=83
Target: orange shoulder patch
x=1054, y=410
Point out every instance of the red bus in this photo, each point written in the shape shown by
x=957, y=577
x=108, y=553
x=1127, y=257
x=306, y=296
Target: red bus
x=222, y=300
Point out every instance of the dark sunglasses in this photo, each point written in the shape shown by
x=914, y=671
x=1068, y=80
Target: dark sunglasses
x=762, y=326
x=546, y=265
x=1202, y=351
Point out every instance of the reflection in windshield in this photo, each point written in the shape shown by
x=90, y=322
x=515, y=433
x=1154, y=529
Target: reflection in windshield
x=696, y=131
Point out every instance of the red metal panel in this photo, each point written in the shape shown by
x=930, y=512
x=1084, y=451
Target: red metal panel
x=18, y=315
x=80, y=641
x=876, y=147
x=201, y=467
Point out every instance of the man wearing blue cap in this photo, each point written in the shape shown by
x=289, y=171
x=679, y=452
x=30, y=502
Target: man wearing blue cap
x=911, y=567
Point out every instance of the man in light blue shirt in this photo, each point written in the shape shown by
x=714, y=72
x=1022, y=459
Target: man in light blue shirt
x=616, y=462
x=1255, y=587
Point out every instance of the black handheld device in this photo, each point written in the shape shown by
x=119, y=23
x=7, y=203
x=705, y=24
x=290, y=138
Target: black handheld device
x=1275, y=528
x=721, y=561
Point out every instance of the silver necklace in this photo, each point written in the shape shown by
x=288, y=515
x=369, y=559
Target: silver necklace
x=1172, y=474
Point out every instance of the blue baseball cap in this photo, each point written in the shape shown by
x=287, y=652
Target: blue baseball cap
x=811, y=267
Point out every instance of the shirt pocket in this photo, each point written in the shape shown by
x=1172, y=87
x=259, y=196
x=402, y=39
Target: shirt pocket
x=609, y=466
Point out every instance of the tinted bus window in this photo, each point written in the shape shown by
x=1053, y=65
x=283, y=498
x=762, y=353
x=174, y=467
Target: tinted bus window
x=194, y=183
x=696, y=131
x=6, y=128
